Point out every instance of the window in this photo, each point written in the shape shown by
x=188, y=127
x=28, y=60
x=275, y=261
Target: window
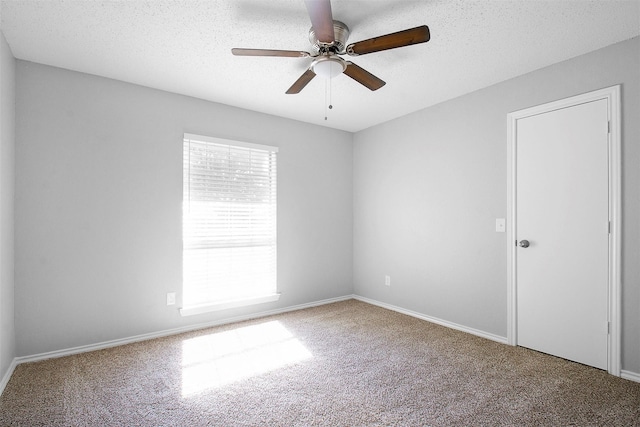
x=228, y=224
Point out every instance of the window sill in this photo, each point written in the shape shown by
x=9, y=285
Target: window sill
x=200, y=309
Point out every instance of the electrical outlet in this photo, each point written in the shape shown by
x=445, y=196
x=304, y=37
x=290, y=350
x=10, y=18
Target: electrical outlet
x=171, y=298
x=387, y=280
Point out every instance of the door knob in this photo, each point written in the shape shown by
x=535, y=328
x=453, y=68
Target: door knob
x=524, y=243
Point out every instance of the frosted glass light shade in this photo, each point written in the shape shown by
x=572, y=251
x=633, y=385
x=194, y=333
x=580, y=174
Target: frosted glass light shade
x=328, y=68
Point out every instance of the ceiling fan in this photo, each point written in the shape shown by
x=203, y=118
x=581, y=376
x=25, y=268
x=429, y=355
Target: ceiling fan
x=328, y=38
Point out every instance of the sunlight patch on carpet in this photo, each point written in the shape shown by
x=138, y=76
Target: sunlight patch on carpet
x=222, y=358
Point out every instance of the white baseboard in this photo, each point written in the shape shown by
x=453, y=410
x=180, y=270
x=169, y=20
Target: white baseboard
x=628, y=375
x=477, y=332
x=168, y=332
x=7, y=375
x=113, y=343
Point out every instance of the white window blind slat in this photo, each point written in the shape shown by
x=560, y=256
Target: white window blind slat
x=229, y=220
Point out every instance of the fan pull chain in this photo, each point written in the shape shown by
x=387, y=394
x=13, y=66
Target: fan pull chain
x=330, y=95
x=325, y=97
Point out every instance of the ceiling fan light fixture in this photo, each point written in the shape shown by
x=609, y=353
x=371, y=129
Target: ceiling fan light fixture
x=328, y=66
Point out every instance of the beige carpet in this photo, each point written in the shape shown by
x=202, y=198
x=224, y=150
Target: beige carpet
x=343, y=364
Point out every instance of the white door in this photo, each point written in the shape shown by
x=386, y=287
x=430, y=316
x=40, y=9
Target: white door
x=562, y=212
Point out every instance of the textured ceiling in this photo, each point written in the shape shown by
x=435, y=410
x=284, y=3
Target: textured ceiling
x=185, y=47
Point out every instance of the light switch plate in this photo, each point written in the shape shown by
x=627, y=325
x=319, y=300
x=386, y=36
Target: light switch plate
x=501, y=226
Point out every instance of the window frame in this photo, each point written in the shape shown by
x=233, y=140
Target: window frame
x=248, y=300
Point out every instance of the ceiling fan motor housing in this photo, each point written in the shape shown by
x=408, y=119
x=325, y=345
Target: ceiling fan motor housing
x=341, y=32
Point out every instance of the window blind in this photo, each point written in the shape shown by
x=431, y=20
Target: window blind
x=229, y=221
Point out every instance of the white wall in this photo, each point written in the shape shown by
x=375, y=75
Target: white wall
x=98, y=206
x=429, y=186
x=7, y=144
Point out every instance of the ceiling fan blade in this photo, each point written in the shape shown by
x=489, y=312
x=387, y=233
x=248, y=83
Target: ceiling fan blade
x=321, y=19
x=363, y=77
x=390, y=41
x=302, y=81
x=270, y=52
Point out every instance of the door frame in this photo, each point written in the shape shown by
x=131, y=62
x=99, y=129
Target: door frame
x=612, y=95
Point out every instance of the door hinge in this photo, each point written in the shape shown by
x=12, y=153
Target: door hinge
x=609, y=227
x=608, y=328
x=608, y=126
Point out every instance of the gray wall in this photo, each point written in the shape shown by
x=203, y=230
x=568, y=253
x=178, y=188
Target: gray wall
x=98, y=206
x=98, y=186
x=7, y=144
x=429, y=186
